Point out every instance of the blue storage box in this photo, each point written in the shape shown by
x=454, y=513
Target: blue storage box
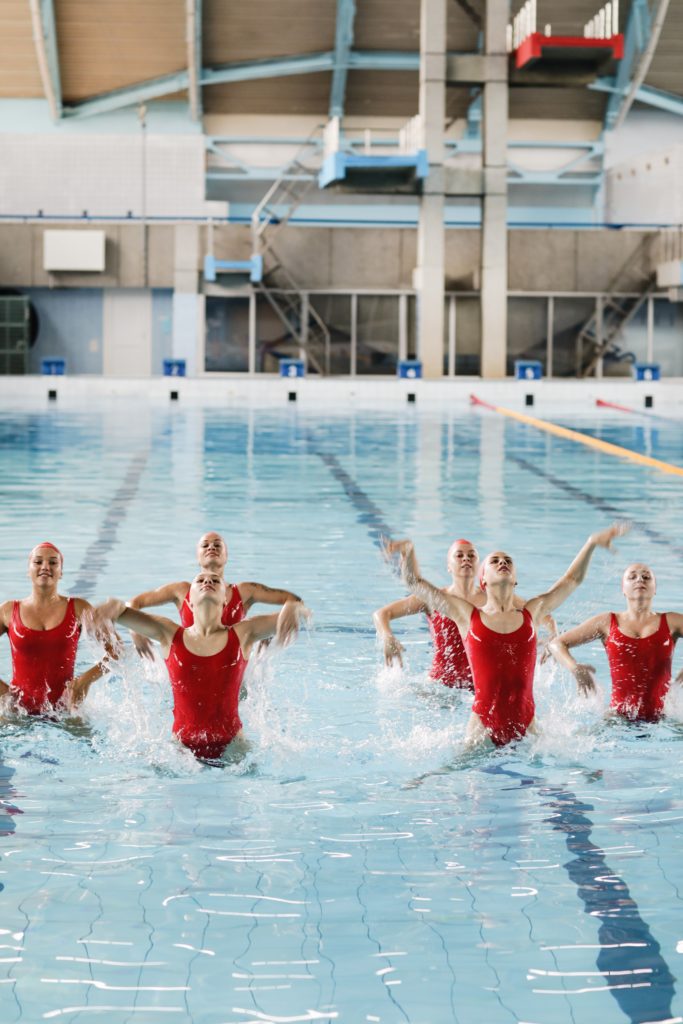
x=528, y=369
x=646, y=371
x=53, y=367
x=410, y=368
x=292, y=368
x=174, y=367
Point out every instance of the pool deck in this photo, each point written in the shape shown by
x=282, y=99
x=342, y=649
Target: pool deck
x=363, y=392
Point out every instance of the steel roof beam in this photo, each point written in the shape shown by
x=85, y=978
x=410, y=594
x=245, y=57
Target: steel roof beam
x=193, y=22
x=343, y=41
x=669, y=101
x=45, y=41
x=636, y=38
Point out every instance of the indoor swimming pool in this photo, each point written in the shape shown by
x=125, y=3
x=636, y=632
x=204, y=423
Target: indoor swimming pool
x=354, y=864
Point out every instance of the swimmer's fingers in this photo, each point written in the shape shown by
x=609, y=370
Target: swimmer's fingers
x=679, y=678
x=395, y=547
x=604, y=538
x=392, y=652
x=143, y=646
x=585, y=680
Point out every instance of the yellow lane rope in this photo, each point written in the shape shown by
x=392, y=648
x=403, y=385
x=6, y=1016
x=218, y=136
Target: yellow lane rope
x=575, y=435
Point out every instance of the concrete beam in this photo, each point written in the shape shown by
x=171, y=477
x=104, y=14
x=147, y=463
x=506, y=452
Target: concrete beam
x=193, y=22
x=494, y=284
x=476, y=68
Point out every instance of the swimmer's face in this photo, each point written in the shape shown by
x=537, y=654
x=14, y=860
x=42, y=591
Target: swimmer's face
x=207, y=587
x=212, y=551
x=498, y=566
x=638, y=582
x=44, y=566
x=462, y=560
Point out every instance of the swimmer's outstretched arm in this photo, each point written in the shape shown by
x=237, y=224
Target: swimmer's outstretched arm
x=169, y=593
x=432, y=597
x=284, y=626
x=576, y=573
x=259, y=593
x=384, y=616
x=156, y=627
x=592, y=629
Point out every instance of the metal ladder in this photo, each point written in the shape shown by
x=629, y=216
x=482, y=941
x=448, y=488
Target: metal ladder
x=283, y=294
x=617, y=313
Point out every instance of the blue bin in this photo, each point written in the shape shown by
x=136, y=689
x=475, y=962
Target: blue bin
x=53, y=367
x=528, y=369
x=292, y=368
x=410, y=369
x=646, y=371
x=174, y=367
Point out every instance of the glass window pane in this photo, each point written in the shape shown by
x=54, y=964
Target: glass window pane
x=527, y=330
x=227, y=334
x=468, y=335
x=570, y=316
x=274, y=340
x=335, y=312
x=377, y=334
x=668, y=337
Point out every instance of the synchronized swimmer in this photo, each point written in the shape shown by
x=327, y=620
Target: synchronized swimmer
x=485, y=639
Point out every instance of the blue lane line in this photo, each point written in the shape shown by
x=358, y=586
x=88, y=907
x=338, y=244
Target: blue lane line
x=369, y=514
x=606, y=897
x=97, y=555
x=590, y=499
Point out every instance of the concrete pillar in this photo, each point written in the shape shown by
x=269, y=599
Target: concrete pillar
x=187, y=303
x=429, y=276
x=494, y=274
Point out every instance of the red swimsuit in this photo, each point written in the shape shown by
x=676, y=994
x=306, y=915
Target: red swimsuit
x=503, y=668
x=205, y=695
x=450, y=665
x=233, y=611
x=42, y=659
x=641, y=670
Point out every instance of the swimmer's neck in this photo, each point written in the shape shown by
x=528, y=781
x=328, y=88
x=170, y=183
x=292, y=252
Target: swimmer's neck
x=466, y=589
x=43, y=598
x=639, y=607
x=207, y=619
x=217, y=567
x=500, y=597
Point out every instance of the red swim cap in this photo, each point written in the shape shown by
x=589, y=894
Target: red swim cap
x=462, y=540
x=48, y=544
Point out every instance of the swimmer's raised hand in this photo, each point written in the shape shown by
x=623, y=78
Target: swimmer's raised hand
x=604, y=538
x=396, y=547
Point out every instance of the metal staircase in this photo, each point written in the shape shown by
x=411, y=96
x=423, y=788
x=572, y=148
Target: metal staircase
x=592, y=343
x=303, y=325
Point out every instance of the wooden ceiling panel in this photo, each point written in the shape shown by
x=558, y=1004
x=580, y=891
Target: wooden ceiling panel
x=579, y=104
x=236, y=30
x=382, y=93
x=19, y=74
x=109, y=44
x=296, y=94
x=387, y=25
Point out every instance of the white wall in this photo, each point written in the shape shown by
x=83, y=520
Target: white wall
x=127, y=332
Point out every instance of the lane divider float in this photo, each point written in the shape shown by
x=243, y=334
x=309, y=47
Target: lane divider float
x=574, y=435
x=601, y=403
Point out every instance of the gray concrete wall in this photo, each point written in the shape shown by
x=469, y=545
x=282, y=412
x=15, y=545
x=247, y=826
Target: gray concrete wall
x=346, y=258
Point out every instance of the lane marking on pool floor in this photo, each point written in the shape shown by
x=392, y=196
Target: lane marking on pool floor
x=369, y=514
x=574, y=435
x=97, y=555
x=626, y=943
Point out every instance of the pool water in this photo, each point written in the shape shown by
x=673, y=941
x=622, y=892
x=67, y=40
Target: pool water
x=353, y=864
